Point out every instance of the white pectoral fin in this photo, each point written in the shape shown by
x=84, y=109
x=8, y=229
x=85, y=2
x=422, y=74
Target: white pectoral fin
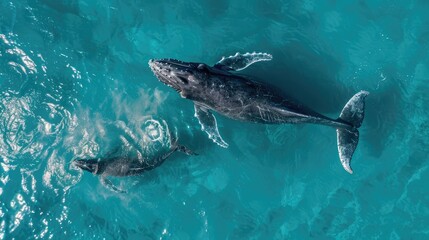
x=240, y=61
x=209, y=125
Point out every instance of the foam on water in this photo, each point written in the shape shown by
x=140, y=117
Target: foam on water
x=74, y=83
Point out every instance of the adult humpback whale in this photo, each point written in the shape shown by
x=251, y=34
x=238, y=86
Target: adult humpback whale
x=219, y=89
x=124, y=166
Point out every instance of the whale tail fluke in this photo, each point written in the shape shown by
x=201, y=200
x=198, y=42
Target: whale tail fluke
x=348, y=138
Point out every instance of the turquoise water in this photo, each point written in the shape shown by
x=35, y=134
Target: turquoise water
x=75, y=83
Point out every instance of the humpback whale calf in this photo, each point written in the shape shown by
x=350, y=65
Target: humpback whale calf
x=220, y=89
x=124, y=166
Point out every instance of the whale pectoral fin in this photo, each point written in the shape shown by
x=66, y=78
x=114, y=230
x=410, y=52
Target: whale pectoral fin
x=240, y=61
x=177, y=147
x=209, y=125
x=186, y=150
x=108, y=184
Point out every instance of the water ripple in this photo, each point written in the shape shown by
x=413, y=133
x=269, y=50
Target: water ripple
x=74, y=83
x=19, y=128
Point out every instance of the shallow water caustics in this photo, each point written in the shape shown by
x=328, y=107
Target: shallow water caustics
x=75, y=84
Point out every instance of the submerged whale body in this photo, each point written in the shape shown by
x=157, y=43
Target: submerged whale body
x=218, y=88
x=125, y=166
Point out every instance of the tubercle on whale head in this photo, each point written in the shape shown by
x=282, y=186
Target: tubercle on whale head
x=184, y=77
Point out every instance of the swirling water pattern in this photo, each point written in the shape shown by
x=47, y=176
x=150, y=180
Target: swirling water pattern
x=74, y=83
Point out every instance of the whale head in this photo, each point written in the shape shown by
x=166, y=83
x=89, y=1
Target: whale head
x=90, y=165
x=184, y=77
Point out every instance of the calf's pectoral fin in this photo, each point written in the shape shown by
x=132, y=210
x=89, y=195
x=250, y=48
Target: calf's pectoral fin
x=209, y=125
x=108, y=184
x=175, y=146
x=186, y=150
x=240, y=61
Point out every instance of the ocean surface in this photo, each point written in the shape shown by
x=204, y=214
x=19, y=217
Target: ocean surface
x=75, y=83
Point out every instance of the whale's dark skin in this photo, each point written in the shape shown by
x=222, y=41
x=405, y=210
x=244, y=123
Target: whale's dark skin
x=124, y=166
x=221, y=89
x=243, y=99
x=119, y=166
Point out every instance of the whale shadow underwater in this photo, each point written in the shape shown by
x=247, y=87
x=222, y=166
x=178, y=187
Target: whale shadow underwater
x=220, y=88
